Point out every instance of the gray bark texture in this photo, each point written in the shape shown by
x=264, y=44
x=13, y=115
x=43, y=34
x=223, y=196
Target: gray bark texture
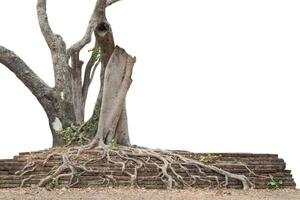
x=64, y=103
x=112, y=124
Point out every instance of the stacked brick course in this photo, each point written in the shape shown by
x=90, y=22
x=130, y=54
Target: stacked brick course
x=262, y=165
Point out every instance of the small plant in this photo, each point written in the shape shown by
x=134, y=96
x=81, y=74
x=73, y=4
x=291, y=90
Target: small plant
x=274, y=184
x=73, y=135
x=209, y=158
x=77, y=175
x=113, y=144
x=53, y=183
x=96, y=53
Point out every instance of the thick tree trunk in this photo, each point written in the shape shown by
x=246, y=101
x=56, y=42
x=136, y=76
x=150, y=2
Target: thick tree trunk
x=112, y=124
x=122, y=134
x=105, y=43
x=61, y=115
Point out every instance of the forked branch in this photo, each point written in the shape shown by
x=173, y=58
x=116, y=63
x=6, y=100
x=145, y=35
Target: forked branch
x=98, y=14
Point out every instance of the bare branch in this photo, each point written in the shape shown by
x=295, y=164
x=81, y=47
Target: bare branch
x=94, y=70
x=44, y=23
x=86, y=80
x=98, y=14
x=110, y=2
x=58, y=51
x=90, y=69
x=52, y=39
x=77, y=87
x=79, y=91
x=30, y=79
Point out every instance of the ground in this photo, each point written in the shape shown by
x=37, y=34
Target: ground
x=142, y=194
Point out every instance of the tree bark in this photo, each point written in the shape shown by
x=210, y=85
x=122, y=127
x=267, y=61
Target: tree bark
x=60, y=113
x=122, y=133
x=112, y=124
x=30, y=79
x=66, y=101
x=57, y=46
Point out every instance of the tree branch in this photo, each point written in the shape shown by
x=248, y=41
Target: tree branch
x=110, y=2
x=30, y=79
x=98, y=14
x=90, y=69
x=52, y=39
x=57, y=47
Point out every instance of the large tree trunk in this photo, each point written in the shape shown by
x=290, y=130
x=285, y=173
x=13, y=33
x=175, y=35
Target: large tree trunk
x=61, y=115
x=112, y=124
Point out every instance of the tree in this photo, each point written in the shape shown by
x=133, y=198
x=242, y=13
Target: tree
x=65, y=103
x=108, y=127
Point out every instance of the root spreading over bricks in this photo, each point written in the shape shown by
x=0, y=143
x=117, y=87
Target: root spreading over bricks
x=147, y=168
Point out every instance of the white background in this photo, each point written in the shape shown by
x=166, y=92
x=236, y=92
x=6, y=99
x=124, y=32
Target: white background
x=211, y=76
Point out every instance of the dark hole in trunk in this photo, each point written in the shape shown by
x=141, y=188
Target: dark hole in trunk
x=103, y=27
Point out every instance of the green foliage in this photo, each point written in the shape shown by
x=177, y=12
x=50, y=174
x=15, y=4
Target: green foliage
x=209, y=158
x=96, y=53
x=53, y=182
x=113, y=144
x=274, y=184
x=76, y=175
x=72, y=135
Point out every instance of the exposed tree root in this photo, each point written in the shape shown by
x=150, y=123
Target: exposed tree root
x=78, y=161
